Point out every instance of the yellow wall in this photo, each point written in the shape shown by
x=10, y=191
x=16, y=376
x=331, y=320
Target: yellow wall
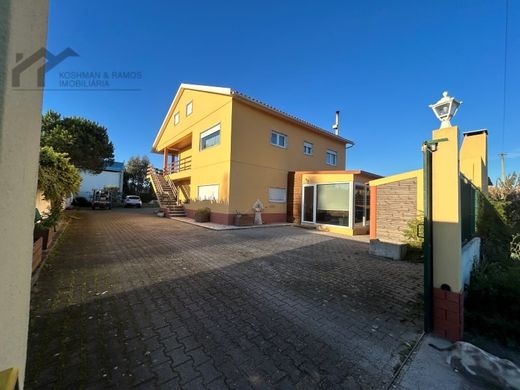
x=257, y=164
x=211, y=165
x=446, y=211
x=473, y=159
x=23, y=29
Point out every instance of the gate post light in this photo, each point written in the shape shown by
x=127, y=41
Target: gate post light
x=445, y=109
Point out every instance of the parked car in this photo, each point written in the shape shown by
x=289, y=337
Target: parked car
x=132, y=201
x=101, y=199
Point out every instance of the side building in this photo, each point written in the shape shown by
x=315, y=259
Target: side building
x=111, y=176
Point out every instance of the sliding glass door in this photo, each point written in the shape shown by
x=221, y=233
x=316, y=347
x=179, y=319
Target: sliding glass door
x=327, y=204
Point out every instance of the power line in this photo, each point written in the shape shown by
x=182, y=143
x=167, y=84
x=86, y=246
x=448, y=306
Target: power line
x=504, y=108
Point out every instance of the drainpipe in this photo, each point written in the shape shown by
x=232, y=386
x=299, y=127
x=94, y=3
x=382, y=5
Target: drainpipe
x=428, y=148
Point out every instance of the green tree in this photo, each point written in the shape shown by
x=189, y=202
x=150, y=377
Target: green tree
x=86, y=142
x=57, y=179
x=135, y=181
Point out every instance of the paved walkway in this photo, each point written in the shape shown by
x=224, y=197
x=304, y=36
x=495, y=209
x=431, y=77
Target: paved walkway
x=129, y=299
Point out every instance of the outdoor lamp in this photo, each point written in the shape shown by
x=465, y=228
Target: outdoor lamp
x=445, y=109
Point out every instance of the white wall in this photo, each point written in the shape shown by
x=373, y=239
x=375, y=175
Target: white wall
x=470, y=256
x=103, y=179
x=23, y=29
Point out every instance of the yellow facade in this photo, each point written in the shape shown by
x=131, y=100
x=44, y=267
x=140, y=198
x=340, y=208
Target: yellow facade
x=446, y=217
x=258, y=165
x=474, y=159
x=244, y=164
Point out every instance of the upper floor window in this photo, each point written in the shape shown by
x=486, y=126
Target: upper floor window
x=278, y=139
x=176, y=118
x=307, y=148
x=189, y=108
x=210, y=137
x=331, y=158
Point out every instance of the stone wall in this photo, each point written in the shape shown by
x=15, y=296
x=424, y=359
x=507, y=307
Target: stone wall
x=396, y=205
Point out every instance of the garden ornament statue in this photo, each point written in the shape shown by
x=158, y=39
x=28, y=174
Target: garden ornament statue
x=258, y=207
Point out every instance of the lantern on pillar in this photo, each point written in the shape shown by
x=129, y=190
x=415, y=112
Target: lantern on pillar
x=445, y=109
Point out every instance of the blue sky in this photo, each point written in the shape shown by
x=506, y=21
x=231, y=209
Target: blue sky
x=380, y=62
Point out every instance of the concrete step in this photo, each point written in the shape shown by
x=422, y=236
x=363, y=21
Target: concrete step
x=175, y=214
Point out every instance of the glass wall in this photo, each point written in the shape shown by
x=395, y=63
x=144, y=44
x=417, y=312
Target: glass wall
x=361, y=205
x=332, y=204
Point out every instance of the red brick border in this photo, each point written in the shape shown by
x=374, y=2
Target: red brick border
x=448, y=317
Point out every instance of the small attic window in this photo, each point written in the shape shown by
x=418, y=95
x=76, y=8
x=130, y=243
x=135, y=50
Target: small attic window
x=189, y=108
x=176, y=118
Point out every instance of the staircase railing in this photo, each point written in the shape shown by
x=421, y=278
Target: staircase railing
x=173, y=187
x=159, y=185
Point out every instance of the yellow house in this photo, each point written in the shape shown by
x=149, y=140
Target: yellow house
x=224, y=150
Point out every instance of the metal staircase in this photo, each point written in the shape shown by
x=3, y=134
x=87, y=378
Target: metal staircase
x=167, y=193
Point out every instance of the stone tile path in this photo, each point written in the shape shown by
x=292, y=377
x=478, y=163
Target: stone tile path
x=131, y=300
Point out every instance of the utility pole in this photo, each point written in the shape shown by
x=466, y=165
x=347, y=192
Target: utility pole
x=502, y=166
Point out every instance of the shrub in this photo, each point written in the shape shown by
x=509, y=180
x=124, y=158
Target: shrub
x=203, y=214
x=57, y=177
x=515, y=248
x=493, y=304
x=414, y=237
x=493, y=230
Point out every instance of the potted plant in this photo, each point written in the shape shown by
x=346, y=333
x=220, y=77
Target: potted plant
x=203, y=214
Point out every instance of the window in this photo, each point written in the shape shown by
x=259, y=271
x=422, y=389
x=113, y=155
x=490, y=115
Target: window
x=189, y=108
x=210, y=137
x=208, y=192
x=176, y=118
x=331, y=158
x=307, y=148
x=277, y=195
x=278, y=139
x=332, y=204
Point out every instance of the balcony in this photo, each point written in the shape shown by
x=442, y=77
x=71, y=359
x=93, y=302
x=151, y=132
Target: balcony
x=179, y=168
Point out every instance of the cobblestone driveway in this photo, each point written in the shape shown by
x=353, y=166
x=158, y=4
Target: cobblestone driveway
x=129, y=299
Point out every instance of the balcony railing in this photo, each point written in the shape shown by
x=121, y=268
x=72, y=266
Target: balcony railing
x=183, y=164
